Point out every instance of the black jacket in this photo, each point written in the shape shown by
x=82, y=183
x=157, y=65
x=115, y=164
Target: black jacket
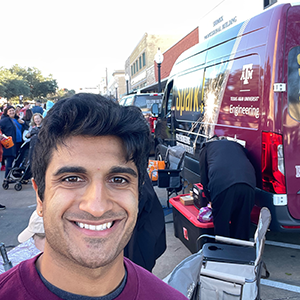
x=148, y=241
x=224, y=163
x=8, y=128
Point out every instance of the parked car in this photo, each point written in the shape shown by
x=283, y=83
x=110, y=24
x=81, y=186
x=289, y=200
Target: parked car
x=145, y=101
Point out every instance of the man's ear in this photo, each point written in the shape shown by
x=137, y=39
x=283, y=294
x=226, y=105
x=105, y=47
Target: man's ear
x=39, y=202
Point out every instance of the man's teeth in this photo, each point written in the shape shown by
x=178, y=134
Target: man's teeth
x=94, y=227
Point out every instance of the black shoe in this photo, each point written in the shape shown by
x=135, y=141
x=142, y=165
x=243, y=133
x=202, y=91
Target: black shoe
x=2, y=207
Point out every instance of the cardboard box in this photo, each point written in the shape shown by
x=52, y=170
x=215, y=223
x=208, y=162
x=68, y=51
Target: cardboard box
x=187, y=200
x=186, y=226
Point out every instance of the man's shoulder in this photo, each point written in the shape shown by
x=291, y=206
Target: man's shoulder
x=14, y=283
x=145, y=285
x=15, y=271
x=10, y=283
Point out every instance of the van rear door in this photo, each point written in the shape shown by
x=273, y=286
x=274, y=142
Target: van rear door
x=291, y=111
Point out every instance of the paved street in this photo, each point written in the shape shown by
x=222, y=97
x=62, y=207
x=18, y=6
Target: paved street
x=282, y=260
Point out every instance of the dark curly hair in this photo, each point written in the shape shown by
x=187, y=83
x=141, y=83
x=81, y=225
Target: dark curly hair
x=91, y=115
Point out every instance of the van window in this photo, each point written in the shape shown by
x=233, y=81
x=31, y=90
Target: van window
x=141, y=102
x=170, y=97
x=128, y=101
x=166, y=104
x=122, y=101
x=213, y=87
x=233, y=97
x=188, y=97
x=294, y=83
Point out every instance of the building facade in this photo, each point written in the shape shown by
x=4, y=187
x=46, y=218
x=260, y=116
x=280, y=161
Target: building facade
x=170, y=56
x=140, y=64
x=116, y=87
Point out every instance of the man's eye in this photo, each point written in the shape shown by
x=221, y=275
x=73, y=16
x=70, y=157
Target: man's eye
x=73, y=179
x=119, y=180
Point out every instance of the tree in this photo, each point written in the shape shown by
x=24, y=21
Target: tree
x=62, y=93
x=16, y=87
x=27, y=82
x=2, y=90
x=32, y=75
x=40, y=86
x=42, y=89
x=6, y=74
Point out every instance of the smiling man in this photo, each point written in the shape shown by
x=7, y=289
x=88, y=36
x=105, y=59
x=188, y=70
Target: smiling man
x=88, y=169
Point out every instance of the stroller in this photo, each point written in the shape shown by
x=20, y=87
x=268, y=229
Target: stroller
x=228, y=269
x=20, y=172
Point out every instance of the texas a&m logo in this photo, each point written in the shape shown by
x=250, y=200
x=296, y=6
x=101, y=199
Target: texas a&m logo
x=247, y=73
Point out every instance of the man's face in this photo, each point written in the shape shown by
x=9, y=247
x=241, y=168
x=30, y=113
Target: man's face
x=90, y=202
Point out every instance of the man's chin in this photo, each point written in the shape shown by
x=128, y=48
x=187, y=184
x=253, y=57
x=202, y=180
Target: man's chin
x=94, y=265
x=97, y=259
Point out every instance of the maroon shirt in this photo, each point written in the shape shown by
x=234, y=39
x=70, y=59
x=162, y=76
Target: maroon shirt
x=23, y=283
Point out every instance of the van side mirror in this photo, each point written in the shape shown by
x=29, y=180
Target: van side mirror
x=154, y=110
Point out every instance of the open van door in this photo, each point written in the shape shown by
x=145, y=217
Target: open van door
x=165, y=130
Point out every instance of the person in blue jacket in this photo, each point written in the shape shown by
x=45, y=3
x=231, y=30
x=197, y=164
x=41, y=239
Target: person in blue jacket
x=11, y=125
x=37, y=108
x=49, y=105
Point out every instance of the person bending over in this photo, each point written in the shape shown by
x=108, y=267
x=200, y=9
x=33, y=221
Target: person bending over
x=229, y=181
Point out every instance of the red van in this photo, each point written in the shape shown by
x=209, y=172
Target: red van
x=244, y=84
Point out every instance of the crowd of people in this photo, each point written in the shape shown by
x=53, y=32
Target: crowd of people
x=21, y=124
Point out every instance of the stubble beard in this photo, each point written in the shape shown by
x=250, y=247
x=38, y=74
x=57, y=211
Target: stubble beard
x=95, y=258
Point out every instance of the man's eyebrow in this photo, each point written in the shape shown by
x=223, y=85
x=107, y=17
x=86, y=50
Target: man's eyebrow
x=127, y=170
x=70, y=169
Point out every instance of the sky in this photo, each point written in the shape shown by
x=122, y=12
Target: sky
x=76, y=41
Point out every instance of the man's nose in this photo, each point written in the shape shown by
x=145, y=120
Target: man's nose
x=96, y=199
